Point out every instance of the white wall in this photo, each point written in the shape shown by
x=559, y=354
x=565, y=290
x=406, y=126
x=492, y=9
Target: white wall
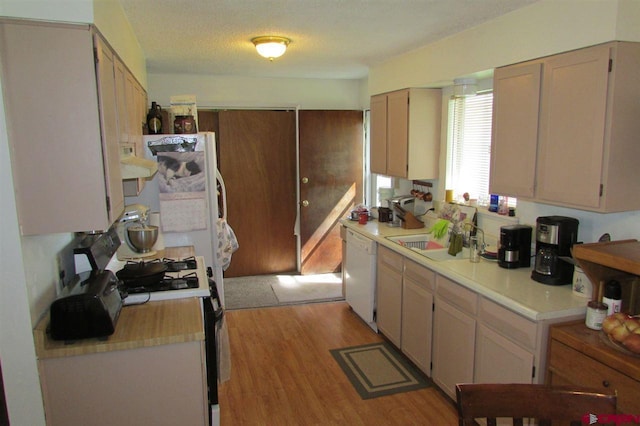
x=17, y=351
x=543, y=28
x=110, y=19
x=49, y=10
x=245, y=92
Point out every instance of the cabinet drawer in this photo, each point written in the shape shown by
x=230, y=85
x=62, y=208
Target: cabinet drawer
x=510, y=324
x=579, y=369
x=390, y=258
x=423, y=277
x=463, y=298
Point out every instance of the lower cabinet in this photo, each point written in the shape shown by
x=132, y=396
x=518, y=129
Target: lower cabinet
x=404, y=305
x=476, y=340
x=453, y=335
x=144, y=386
x=389, y=294
x=417, y=314
x=494, y=350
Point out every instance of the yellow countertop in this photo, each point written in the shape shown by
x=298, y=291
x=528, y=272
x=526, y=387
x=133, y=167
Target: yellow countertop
x=511, y=288
x=152, y=324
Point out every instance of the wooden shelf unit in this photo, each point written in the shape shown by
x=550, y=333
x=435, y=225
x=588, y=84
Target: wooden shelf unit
x=619, y=260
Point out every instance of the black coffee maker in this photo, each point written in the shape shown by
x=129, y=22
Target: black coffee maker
x=555, y=235
x=515, y=246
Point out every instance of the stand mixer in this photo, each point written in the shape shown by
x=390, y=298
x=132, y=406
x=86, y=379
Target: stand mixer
x=135, y=233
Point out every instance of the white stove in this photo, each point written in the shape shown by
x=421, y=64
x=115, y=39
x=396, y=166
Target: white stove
x=202, y=290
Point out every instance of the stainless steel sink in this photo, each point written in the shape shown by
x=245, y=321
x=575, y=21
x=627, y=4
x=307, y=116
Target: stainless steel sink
x=420, y=244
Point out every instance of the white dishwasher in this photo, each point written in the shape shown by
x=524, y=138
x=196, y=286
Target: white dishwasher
x=360, y=276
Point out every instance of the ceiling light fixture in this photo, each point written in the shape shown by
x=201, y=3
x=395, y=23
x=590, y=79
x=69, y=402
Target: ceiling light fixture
x=271, y=46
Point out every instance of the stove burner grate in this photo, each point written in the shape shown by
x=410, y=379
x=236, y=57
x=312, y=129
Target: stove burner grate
x=180, y=265
x=168, y=283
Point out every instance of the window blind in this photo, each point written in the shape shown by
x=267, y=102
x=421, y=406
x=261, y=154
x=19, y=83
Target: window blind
x=470, y=145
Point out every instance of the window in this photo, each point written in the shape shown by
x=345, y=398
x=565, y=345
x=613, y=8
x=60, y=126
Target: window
x=469, y=153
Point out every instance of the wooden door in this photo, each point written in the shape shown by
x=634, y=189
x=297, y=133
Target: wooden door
x=258, y=162
x=331, y=157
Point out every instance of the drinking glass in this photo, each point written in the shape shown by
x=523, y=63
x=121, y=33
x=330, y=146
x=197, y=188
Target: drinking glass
x=474, y=250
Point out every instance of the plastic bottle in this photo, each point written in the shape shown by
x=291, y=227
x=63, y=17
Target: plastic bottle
x=612, y=297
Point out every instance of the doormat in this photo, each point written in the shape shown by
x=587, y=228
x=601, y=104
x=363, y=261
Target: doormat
x=306, y=288
x=277, y=290
x=378, y=369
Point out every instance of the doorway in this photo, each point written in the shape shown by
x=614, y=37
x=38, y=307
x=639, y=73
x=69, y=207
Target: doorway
x=257, y=155
x=331, y=165
x=257, y=152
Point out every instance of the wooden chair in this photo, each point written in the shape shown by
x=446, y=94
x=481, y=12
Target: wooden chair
x=522, y=401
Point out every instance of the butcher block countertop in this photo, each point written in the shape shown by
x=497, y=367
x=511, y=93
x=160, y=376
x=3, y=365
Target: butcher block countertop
x=151, y=324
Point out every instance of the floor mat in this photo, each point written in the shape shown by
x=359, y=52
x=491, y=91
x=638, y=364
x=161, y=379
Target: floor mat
x=299, y=288
x=378, y=369
x=273, y=290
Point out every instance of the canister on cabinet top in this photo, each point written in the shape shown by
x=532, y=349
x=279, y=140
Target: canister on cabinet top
x=581, y=284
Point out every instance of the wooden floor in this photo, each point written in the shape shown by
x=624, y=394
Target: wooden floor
x=283, y=374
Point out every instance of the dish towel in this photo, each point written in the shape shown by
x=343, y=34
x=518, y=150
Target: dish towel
x=227, y=243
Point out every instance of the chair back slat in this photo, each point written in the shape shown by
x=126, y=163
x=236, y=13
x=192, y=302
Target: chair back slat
x=518, y=401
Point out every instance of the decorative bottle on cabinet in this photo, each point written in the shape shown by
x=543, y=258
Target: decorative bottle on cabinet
x=154, y=119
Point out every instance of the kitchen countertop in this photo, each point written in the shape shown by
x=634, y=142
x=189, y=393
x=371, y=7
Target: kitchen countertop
x=150, y=324
x=511, y=288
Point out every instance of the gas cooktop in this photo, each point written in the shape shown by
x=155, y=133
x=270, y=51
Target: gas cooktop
x=184, y=278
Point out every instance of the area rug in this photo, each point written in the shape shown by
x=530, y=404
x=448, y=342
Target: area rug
x=274, y=290
x=249, y=292
x=378, y=369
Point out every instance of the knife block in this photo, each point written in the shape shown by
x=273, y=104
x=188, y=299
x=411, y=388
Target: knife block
x=411, y=222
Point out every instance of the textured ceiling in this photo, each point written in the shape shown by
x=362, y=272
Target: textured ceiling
x=330, y=38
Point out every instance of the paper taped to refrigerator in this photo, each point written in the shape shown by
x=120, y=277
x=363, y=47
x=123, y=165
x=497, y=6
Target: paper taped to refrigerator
x=182, y=186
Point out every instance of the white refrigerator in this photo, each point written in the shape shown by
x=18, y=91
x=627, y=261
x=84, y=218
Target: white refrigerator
x=189, y=193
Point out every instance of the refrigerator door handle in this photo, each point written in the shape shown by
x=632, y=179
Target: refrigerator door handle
x=223, y=194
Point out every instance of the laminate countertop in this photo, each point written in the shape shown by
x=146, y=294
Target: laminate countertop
x=151, y=324
x=511, y=288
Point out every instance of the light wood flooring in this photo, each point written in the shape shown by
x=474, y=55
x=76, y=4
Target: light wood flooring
x=283, y=374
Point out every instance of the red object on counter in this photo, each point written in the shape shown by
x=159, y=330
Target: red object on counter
x=363, y=218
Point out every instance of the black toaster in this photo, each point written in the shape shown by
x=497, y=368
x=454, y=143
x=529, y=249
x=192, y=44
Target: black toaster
x=88, y=307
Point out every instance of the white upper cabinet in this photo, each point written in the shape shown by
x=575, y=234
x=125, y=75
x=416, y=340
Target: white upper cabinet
x=566, y=126
x=405, y=133
x=62, y=127
x=516, y=100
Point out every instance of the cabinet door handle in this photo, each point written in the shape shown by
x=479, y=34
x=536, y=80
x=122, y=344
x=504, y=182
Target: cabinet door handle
x=606, y=383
